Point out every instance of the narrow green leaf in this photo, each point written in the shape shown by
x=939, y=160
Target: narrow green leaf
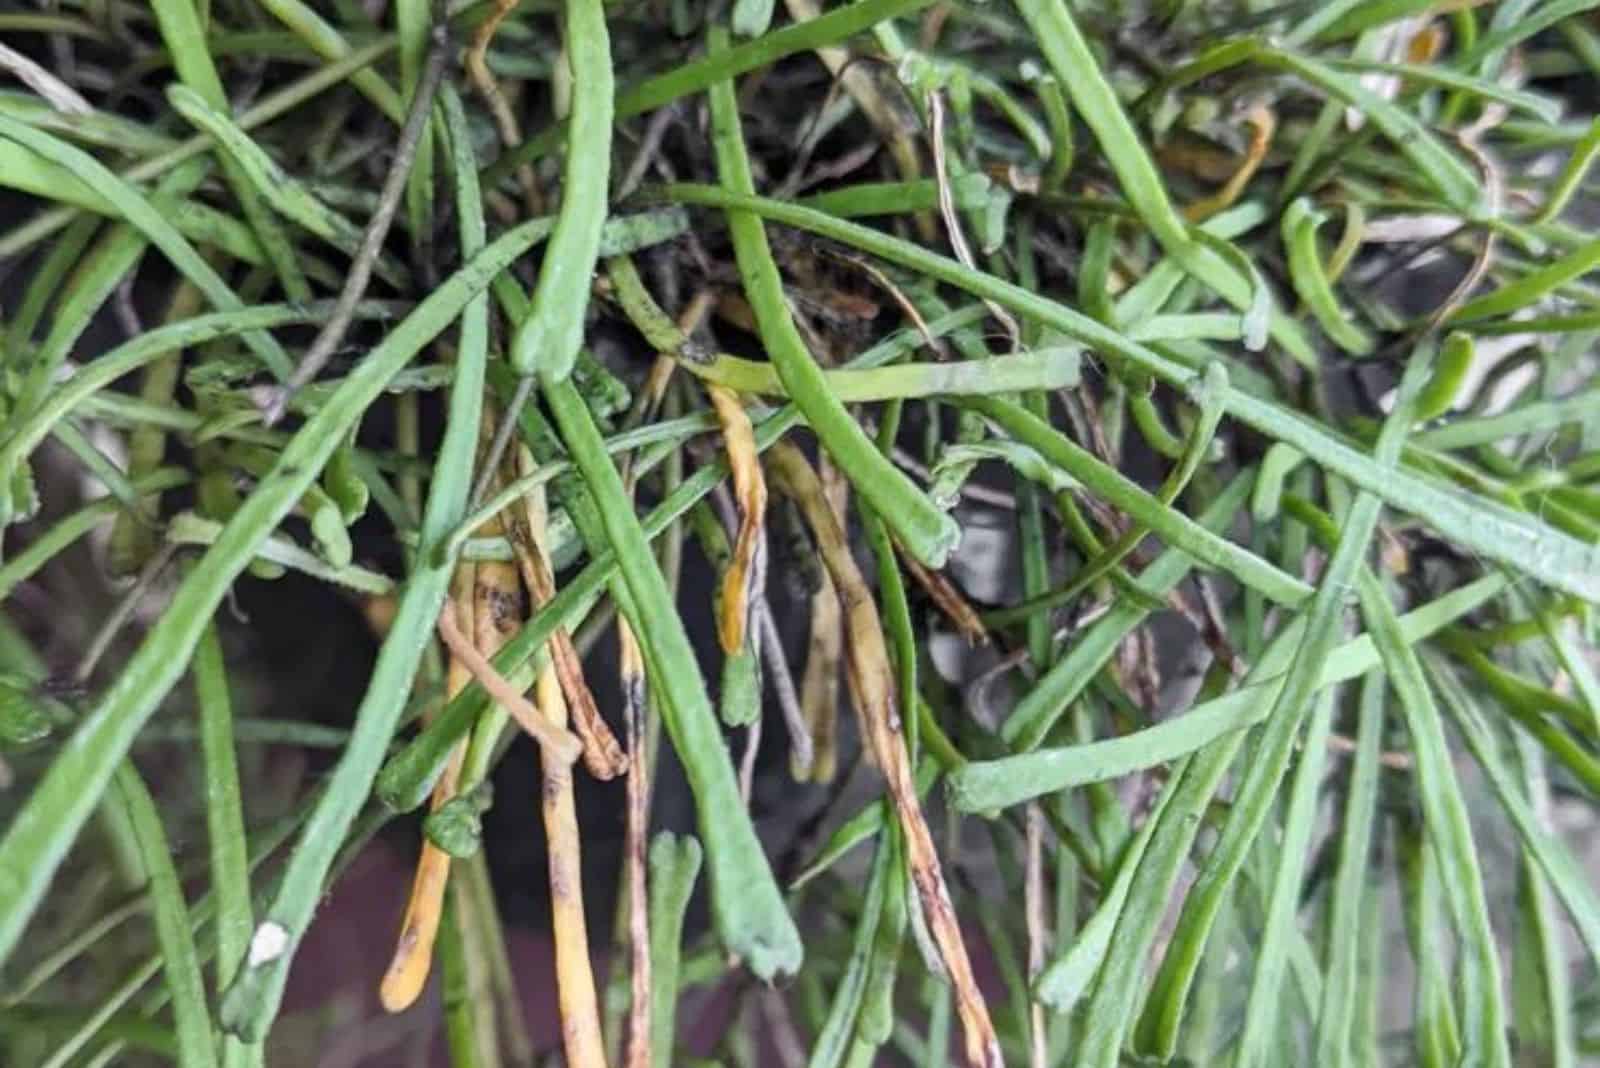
x=1436, y=1031
x=865, y=825
x=1449, y=831
x=1552, y=855
x=180, y=962
x=1535, y=21
x=1065, y=979
x=1449, y=375
x=147, y=220
x=1447, y=174
x=1300, y=225
x=876, y=1018
x=288, y=197
x=86, y=291
x=1111, y=485
x=674, y=865
x=924, y=529
x=1046, y=368
x=1541, y=993
x=1530, y=287
x=1572, y=175
x=45, y=285
x=1336, y=1016
x=1113, y=1000
x=184, y=37
x=327, y=42
x=1042, y=707
x=230, y=862
x=548, y=339
x=833, y=1042
x=1545, y=108
x=1258, y=1038
x=1532, y=417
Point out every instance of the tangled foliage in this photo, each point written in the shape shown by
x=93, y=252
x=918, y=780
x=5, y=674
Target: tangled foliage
x=1259, y=338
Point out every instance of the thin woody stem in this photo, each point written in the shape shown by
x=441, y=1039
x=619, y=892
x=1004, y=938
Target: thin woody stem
x=355, y=286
